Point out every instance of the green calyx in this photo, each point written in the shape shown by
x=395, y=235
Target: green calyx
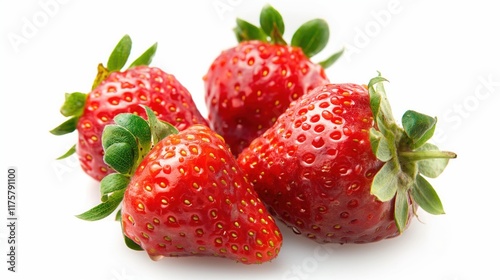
x=119, y=57
x=74, y=103
x=125, y=143
x=407, y=155
x=312, y=37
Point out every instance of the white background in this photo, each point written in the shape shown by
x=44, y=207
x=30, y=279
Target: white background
x=441, y=57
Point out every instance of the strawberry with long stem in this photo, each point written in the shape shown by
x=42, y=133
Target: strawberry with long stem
x=117, y=91
x=183, y=193
x=248, y=86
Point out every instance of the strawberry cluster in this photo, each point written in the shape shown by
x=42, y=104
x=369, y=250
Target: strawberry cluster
x=281, y=143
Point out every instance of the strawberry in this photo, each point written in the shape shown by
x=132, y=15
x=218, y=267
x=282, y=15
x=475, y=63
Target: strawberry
x=248, y=86
x=115, y=92
x=184, y=197
x=336, y=167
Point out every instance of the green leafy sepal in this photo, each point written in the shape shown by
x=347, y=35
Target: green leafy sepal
x=407, y=157
x=74, y=103
x=125, y=143
x=312, y=36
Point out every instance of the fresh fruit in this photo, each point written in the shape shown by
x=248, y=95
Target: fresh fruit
x=336, y=167
x=115, y=92
x=248, y=86
x=186, y=196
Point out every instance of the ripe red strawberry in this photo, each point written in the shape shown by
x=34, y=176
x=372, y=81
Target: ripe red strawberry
x=248, y=86
x=187, y=196
x=335, y=167
x=117, y=92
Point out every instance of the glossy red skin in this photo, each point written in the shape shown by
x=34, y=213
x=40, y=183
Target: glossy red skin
x=314, y=168
x=189, y=197
x=124, y=92
x=247, y=87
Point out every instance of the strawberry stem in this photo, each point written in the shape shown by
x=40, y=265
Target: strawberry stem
x=102, y=74
x=277, y=37
x=423, y=155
